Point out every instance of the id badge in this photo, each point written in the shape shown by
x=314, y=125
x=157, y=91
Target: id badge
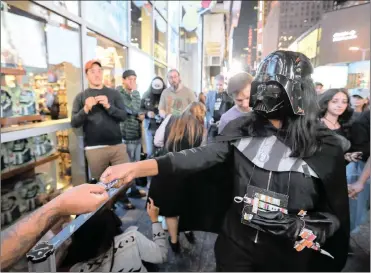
x=263, y=200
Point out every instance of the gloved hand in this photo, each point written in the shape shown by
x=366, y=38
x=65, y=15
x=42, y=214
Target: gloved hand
x=322, y=224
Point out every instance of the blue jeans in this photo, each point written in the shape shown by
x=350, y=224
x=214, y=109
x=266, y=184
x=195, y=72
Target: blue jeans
x=133, y=150
x=358, y=207
x=148, y=138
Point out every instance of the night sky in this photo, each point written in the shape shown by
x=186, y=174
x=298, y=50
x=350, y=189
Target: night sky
x=248, y=16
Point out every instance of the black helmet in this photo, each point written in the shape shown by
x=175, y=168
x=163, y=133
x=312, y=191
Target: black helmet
x=280, y=70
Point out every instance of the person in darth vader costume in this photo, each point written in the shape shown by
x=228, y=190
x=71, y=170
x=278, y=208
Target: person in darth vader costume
x=287, y=176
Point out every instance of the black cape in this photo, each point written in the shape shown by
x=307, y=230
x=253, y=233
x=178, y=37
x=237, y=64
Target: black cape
x=210, y=199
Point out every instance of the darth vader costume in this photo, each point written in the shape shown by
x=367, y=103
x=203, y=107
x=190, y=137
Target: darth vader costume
x=280, y=204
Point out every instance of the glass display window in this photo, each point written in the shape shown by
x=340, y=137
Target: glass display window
x=71, y=6
x=160, y=51
x=39, y=70
x=111, y=55
x=162, y=7
x=141, y=25
x=174, y=14
x=110, y=16
x=143, y=66
x=160, y=70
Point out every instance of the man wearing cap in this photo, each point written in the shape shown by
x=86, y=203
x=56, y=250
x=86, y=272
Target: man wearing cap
x=131, y=128
x=175, y=98
x=99, y=111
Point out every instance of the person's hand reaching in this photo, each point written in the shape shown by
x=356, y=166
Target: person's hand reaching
x=152, y=211
x=124, y=172
x=81, y=199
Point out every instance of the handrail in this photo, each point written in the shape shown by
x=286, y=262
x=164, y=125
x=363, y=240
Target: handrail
x=43, y=250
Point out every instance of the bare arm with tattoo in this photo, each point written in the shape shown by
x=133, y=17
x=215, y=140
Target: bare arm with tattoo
x=19, y=238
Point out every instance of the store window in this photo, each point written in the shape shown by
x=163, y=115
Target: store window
x=40, y=72
x=160, y=38
x=174, y=14
x=111, y=55
x=108, y=16
x=71, y=6
x=142, y=64
x=173, y=51
x=141, y=25
x=162, y=7
x=160, y=70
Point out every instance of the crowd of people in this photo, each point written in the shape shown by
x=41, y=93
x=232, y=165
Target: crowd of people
x=274, y=164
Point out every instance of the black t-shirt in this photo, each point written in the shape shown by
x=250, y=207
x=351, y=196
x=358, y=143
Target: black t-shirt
x=360, y=134
x=222, y=104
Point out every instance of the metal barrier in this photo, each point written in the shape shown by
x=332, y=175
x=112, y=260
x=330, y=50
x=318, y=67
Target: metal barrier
x=43, y=253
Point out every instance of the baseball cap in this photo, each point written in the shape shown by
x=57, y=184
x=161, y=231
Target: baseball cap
x=363, y=93
x=90, y=64
x=128, y=73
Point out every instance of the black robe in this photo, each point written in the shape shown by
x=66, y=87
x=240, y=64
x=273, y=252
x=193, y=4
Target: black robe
x=209, y=201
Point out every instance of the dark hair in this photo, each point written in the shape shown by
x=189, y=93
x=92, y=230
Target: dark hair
x=327, y=97
x=94, y=238
x=318, y=83
x=238, y=82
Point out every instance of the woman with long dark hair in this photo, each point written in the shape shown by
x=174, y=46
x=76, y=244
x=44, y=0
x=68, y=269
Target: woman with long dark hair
x=288, y=210
x=336, y=113
x=176, y=134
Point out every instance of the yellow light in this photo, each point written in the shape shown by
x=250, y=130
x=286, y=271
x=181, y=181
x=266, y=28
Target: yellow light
x=354, y=48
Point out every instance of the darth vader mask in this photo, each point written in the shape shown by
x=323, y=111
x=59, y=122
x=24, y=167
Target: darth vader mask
x=277, y=88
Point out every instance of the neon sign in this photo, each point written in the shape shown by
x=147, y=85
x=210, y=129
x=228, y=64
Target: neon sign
x=345, y=35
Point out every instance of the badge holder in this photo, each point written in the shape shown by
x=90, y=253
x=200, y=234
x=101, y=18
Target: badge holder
x=43, y=253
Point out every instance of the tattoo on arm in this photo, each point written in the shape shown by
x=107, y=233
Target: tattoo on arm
x=19, y=238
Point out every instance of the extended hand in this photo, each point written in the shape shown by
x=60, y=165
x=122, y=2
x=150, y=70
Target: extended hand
x=81, y=199
x=124, y=172
x=354, y=189
x=103, y=100
x=152, y=211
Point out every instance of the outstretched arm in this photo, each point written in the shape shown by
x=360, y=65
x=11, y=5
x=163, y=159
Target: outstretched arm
x=184, y=162
x=19, y=238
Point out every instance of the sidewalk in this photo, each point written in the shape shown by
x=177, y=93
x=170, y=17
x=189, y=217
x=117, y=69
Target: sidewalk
x=200, y=256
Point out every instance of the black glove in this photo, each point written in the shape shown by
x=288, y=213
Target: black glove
x=322, y=224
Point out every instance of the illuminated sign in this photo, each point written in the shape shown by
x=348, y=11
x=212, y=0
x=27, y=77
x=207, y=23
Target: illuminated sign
x=345, y=35
x=308, y=45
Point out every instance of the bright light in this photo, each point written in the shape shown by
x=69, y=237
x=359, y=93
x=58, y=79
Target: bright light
x=246, y=48
x=354, y=48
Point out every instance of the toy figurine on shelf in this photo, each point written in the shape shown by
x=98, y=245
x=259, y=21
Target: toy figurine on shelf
x=42, y=145
x=28, y=190
x=10, y=210
x=21, y=152
x=5, y=161
x=6, y=104
x=27, y=103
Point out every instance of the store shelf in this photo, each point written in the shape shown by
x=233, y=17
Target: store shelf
x=19, y=120
x=28, y=167
x=35, y=129
x=12, y=71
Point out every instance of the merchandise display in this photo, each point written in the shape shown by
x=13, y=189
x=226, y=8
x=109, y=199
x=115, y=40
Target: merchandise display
x=42, y=146
x=19, y=153
x=10, y=207
x=5, y=161
x=25, y=196
x=6, y=104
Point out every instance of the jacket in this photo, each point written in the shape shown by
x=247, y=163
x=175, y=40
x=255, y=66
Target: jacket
x=131, y=248
x=149, y=103
x=325, y=190
x=131, y=127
